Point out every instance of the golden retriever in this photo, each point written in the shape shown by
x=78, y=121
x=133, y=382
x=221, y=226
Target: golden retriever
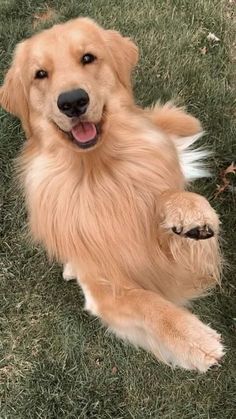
x=105, y=183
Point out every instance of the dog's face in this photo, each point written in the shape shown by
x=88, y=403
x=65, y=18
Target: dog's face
x=63, y=80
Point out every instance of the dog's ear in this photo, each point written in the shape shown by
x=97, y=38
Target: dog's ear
x=12, y=93
x=124, y=55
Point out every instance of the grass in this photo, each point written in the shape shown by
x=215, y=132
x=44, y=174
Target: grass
x=56, y=361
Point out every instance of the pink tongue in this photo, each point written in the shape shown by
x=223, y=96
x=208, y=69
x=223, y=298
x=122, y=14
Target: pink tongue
x=84, y=131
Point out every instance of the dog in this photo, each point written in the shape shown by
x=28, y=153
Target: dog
x=105, y=188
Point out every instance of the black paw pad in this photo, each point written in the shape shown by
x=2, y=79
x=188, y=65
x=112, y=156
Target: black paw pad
x=200, y=233
x=176, y=231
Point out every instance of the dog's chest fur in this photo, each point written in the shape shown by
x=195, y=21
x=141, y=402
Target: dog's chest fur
x=110, y=208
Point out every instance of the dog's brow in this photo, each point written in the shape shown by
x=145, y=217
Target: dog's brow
x=42, y=60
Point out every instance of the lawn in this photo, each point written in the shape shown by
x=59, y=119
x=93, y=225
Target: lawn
x=56, y=361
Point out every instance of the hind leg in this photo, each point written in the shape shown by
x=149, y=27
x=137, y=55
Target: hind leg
x=69, y=273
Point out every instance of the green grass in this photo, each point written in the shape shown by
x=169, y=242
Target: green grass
x=56, y=361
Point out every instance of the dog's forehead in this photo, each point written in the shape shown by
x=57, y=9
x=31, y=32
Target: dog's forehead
x=74, y=34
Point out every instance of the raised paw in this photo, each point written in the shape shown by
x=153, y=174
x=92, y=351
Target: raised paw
x=196, y=233
x=189, y=215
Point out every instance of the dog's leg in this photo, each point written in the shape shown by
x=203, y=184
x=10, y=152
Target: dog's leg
x=188, y=215
x=69, y=272
x=171, y=333
x=191, y=234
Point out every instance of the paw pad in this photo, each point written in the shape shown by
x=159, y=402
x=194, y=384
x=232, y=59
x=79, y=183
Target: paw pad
x=196, y=233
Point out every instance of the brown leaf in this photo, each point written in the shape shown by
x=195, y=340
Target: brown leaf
x=225, y=182
x=230, y=169
x=114, y=370
x=203, y=50
x=42, y=17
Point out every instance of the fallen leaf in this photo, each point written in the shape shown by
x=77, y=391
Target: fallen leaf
x=230, y=169
x=114, y=370
x=225, y=182
x=48, y=14
x=203, y=50
x=212, y=37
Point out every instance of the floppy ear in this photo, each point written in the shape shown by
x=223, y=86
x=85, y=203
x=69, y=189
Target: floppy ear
x=124, y=54
x=12, y=92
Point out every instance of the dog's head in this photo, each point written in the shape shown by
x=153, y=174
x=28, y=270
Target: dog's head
x=64, y=80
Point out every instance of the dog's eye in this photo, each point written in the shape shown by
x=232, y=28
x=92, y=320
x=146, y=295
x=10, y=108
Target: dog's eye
x=41, y=74
x=88, y=59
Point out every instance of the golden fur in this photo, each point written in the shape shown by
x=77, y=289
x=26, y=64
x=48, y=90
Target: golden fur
x=109, y=211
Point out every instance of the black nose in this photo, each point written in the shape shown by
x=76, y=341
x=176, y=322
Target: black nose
x=73, y=103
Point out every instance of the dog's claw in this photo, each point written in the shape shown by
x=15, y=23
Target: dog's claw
x=196, y=233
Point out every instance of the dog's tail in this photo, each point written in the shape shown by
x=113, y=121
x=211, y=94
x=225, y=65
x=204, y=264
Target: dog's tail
x=192, y=159
x=184, y=130
x=174, y=121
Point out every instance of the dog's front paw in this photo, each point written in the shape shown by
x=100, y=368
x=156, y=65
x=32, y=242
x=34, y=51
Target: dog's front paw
x=196, y=233
x=202, y=347
x=190, y=215
x=192, y=345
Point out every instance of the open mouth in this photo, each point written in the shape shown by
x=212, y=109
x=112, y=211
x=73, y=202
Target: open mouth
x=84, y=134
